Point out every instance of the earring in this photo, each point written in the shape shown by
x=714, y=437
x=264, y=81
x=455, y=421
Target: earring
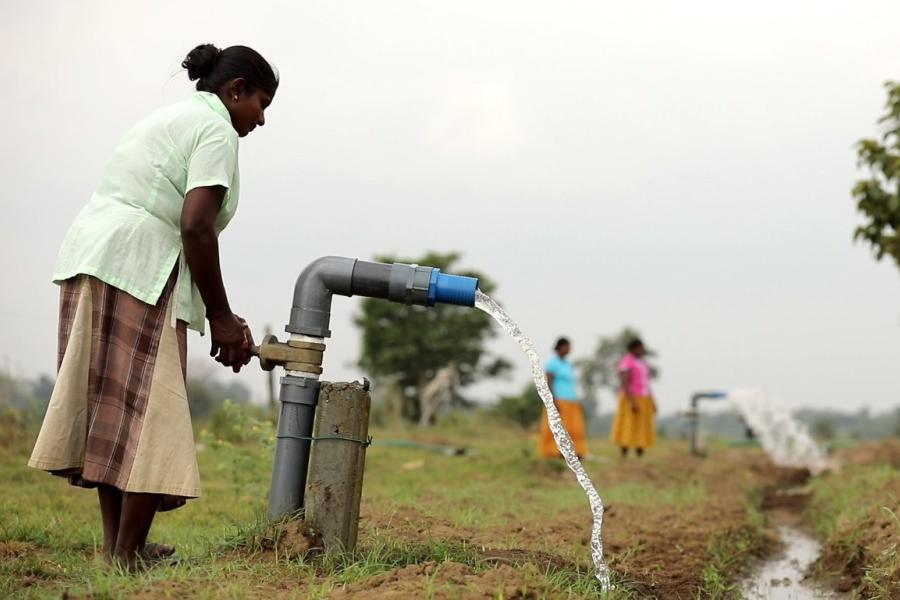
x=235, y=98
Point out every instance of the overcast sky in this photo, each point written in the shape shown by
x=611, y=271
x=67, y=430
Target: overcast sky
x=683, y=168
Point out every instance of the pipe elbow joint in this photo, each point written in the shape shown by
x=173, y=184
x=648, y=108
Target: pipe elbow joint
x=408, y=284
x=317, y=283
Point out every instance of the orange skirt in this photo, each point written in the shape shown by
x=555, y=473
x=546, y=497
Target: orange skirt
x=633, y=428
x=573, y=420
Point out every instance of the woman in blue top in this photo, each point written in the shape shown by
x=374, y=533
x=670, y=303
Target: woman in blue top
x=561, y=379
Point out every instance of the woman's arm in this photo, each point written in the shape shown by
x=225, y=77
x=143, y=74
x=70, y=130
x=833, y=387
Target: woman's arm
x=550, y=378
x=230, y=342
x=625, y=381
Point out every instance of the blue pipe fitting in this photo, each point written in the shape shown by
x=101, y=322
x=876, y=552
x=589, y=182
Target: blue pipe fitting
x=452, y=289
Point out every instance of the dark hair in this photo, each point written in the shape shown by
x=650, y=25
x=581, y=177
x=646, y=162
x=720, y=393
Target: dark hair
x=563, y=341
x=212, y=68
x=634, y=344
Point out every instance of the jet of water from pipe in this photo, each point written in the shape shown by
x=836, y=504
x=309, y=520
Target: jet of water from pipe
x=784, y=439
x=563, y=441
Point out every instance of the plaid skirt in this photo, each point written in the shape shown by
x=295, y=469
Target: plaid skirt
x=119, y=413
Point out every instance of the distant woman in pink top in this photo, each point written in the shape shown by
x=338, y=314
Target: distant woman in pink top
x=633, y=426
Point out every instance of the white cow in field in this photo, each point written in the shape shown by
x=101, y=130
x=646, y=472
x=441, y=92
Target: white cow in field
x=437, y=391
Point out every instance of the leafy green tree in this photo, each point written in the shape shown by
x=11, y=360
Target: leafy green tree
x=408, y=344
x=598, y=371
x=824, y=429
x=878, y=196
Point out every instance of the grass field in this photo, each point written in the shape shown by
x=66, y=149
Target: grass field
x=495, y=523
x=856, y=513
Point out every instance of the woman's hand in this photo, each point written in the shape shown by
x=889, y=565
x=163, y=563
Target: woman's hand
x=231, y=340
x=248, y=335
x=633, y=401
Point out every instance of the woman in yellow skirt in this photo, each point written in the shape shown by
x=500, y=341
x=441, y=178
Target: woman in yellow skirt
x=633, y=426
x=561, y=379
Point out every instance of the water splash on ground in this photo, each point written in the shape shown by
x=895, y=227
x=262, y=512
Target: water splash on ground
x=563, y=441
x=784, y=439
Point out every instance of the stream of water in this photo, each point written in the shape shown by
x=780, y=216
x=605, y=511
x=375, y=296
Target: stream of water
x=789, y=444
x=784, y=577
x=563, y=441
x=786, y=440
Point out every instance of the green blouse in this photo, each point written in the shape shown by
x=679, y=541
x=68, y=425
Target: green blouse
x=129, y=234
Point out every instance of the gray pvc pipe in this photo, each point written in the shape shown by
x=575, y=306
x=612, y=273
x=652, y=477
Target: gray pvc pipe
x=311, y=311
x=329, y=275
x=311, y=316
x=299, y=397
x=695, y=421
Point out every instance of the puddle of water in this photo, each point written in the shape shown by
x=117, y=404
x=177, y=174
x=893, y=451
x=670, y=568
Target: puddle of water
x=783, y=577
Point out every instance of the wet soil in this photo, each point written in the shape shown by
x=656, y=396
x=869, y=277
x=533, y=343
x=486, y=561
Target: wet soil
x=292, y=539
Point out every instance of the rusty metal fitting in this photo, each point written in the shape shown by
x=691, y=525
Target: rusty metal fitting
x=294, y=355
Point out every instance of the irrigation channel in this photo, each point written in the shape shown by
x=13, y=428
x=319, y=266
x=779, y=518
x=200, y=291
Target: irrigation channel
x=789, y=445
x=785, y=575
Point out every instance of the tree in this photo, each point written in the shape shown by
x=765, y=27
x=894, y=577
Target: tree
x=824, y=429
x=523, y=409
x=206, y=394
x=599, y=372
x=409, y=344
x=878, y=196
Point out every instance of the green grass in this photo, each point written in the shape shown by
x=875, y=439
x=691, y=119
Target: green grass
x=730, y=554
x=846, y=496
x=52, y=529
x=855, y=513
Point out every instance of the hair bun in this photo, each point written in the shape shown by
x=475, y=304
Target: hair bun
x=200, y=61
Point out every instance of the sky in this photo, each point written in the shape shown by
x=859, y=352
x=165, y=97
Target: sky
x=683, y=168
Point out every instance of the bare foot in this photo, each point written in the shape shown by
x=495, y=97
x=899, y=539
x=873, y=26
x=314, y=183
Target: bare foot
x=154, y=552
x=128, y=562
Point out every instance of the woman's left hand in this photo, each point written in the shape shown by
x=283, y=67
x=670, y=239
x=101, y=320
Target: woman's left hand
x=248, y=336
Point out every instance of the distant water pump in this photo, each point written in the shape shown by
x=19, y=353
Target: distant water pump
x=301, y=355
x=694, y=415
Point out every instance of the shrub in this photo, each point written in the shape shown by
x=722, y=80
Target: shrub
x=524, y=409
